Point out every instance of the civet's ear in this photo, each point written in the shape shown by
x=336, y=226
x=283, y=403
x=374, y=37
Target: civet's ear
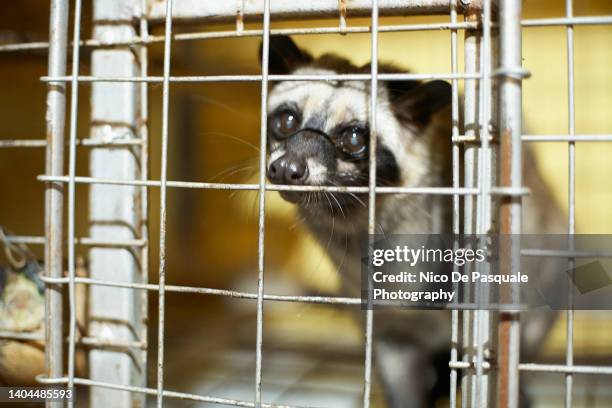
x=418, y=102
x=284, y=55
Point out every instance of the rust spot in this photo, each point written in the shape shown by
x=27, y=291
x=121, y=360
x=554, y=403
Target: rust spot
x=342, y=7
x=503, y=358
x=471, y=6
x=505, y=180
x=136, y=403
x=240, y=16
x=342, y=10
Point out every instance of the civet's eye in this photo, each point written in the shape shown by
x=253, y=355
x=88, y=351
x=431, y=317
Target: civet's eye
x=285, y=123
x=353, y=141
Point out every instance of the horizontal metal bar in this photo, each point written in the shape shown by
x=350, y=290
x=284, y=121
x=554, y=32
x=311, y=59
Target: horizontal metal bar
x=88, y=341
x=542, y=368
x=565, y=369
x=23, y=143
x=506, y=191
x=468, y=139
x=566, y=138
x=316, y=30
x=210, y=35
x=509, y=191
x=166, y=393
x=566, y=21
x=23, y=336
x=37, y=240
x=192, y=10
x=465, y=365
x=543, y=138
x=326, y=300
x=209, y=291
x=17, y=143
x=565, y=254
x=80, y=142
x=101, y=343
x=258, y=78
x=28, y=46
x=93, y=43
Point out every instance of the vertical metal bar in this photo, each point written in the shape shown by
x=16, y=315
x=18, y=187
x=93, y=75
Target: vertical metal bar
x=571, y=119
x=456, y=201
x=569, y=353
x=471, y=103
x=471, y=100
x=484, y=168
x=143, y=216
x=369, y=329
x=162, y=206
x=508, y=355
x=262, y=199
x=74, y=105
x=484, y=206
x=54, y=192
x=115, y=212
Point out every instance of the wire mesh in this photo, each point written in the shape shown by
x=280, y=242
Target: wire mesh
x=469, y=327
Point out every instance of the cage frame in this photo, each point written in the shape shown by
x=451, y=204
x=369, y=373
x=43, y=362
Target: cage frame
x=481, y=158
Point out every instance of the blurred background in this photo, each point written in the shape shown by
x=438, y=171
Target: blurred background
x=212, y=235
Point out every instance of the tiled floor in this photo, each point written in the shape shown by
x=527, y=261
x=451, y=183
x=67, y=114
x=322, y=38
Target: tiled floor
x=288, y=379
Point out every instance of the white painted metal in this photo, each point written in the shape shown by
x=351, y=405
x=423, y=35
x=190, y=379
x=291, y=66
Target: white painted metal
x=470, y=159
x=227, y=10
x=115, y=315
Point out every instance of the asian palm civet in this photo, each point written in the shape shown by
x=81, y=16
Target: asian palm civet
x=318, y=134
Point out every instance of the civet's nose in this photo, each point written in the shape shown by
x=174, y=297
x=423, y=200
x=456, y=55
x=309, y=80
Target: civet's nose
x=288, y=170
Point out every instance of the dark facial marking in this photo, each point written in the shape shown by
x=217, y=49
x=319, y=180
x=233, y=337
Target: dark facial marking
x=387, y=169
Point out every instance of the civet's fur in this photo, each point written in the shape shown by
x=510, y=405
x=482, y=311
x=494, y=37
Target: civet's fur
x=413, y=150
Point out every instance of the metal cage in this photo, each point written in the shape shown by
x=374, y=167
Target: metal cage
x=489, y=153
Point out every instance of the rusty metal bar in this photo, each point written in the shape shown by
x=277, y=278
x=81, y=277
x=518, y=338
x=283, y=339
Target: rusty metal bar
x=54, y=192
x=149, y=39
x=220, y=11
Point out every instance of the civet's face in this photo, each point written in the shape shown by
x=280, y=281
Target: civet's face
x=319, y=132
